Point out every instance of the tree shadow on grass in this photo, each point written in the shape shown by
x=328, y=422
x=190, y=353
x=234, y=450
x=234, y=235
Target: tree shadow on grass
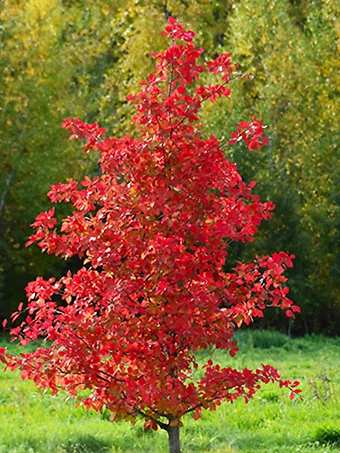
x=88, y=444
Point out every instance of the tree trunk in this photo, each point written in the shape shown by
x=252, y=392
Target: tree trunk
x=174, y=444
x=3, y=197
x=306, y=326
x=290, y=325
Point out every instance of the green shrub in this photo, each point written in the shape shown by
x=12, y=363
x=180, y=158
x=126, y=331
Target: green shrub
x=261, y=339
x=328, y=435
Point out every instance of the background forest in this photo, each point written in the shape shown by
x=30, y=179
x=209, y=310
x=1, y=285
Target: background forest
x=81, y=58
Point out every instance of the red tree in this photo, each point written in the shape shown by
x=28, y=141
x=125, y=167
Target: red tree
x=153, y=232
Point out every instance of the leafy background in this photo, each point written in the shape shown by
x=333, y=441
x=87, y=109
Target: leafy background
x=81, y=58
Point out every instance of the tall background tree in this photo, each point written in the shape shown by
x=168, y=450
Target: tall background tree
x=52, y=57
x=80, y=58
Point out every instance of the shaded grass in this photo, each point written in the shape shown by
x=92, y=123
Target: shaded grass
x=271, y=423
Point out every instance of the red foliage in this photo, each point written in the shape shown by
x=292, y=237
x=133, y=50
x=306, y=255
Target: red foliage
x=153, y=231
x=251, y=133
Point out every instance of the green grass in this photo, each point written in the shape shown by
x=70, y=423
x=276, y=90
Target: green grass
x=271, y=423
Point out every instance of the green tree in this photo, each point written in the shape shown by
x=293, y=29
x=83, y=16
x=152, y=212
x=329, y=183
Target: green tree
x=292, y=51
x=52, y=57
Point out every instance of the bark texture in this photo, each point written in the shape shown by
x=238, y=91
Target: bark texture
x=174, y=443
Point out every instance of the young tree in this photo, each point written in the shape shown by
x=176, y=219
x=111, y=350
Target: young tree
x=153, y=231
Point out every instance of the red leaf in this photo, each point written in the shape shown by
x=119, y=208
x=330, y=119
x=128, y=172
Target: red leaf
x=197, y=415
x=2, y=355
x=290, y=314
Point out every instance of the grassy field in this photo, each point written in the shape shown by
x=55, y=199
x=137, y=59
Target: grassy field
x=271, y=423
